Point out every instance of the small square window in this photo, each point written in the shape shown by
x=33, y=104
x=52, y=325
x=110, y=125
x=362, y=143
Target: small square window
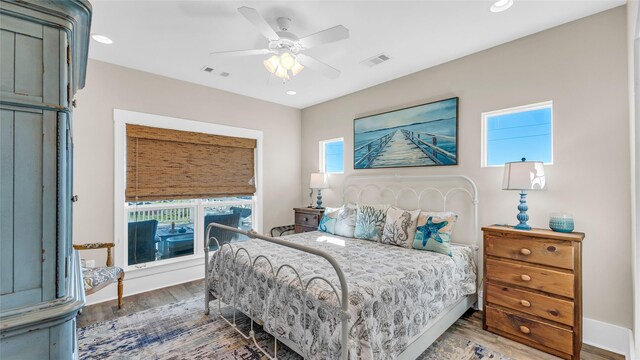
x=332, y=156
x=516, y=133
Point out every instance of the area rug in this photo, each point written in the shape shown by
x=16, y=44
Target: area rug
x=181, y=331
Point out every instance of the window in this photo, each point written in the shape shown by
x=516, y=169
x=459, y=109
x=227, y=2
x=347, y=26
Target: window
x=173, y=178
x=167, y=229
x=516, y=133
x=332, y=156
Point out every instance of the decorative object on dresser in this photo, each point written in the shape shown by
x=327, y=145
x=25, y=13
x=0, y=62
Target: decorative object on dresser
x=421, y=135
x=318, y=181
x=99, y=277
x=524, y=175
x=44, y=47
x=533, y=288
x=307, y=219
x=561, y=222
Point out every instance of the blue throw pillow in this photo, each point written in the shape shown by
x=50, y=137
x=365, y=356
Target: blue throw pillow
x=328, y=221
x=433, y=232
x=370, y=221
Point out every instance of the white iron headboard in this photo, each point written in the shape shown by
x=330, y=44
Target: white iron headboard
x=455, y=193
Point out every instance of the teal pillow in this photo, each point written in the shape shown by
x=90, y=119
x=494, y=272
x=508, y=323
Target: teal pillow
x=370, y=221
x=433, y=232
x=328, y=221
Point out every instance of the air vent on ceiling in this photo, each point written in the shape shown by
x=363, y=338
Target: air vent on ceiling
x=375, y=60
x=224, y=74
x=207, y=69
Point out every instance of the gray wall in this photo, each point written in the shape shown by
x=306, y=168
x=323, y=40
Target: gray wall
x=582, y=67
x=114, y=87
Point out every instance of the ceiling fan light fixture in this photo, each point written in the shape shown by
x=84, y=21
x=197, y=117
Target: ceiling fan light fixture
x=501, y=5
x=272, y=64
x=295, y=70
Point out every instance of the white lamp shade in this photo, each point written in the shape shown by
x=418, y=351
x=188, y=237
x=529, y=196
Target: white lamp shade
x=287, y=61
x=524, y=175
x=282, y=73
x=271, y=64
x=318, y=181
x=296, y=68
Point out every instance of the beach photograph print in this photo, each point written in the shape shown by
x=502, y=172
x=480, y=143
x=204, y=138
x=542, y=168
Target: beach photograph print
x=422, y=135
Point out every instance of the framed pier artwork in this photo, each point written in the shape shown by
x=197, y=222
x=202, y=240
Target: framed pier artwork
x=421, y=135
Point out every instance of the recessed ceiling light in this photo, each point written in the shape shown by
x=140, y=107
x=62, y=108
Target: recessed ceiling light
x=501, y=5
x=290, y=92
x=102, y=39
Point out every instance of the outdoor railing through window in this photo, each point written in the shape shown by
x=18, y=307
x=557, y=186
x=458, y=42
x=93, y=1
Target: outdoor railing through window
x=159, y=231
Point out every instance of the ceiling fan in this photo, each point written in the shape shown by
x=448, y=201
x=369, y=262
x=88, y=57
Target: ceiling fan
x=287, y=49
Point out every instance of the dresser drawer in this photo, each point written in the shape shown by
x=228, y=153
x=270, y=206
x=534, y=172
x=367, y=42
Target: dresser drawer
x=530, y=303
x=304, y=229
x=310, y=220
x=547, y=252
x=532, y=277
x=539, y=332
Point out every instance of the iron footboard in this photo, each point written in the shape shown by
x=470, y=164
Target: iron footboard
x=343, y=299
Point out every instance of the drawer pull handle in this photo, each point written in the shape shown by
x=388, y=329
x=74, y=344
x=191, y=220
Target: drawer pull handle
x=525, y=303
x=525, y=251
x=524, y=329
x=306, y=219
x=525, y=277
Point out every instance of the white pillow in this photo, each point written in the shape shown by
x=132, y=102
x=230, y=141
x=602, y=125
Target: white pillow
x=346, y=222
x=400, y=227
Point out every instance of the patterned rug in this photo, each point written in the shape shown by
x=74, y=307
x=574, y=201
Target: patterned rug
x=181, y=331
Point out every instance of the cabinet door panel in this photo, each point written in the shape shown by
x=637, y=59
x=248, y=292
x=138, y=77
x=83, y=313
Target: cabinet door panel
x=7, y=56
x=30, y=67
x=28, y=201
x=6, y=202
x=28, y=190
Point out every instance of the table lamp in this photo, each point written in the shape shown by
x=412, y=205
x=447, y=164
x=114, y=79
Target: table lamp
x=524, y=175
x=318, y=181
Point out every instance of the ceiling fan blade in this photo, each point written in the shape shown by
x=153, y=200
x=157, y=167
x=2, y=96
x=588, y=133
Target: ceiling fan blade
x=258, y=21
x=319, y=66
x=335, y=33
x=243, y=52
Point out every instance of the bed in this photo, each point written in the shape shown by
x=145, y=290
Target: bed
x=315, y=292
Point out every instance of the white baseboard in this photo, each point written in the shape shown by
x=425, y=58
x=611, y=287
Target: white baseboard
x=608, y=337
x=142, y=284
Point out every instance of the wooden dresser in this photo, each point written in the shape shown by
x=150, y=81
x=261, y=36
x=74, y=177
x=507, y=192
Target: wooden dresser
x=533, y=288
x=307, y=219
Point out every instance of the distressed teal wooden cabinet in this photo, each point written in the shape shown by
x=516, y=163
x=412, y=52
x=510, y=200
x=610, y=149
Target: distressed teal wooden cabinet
x=43, y=57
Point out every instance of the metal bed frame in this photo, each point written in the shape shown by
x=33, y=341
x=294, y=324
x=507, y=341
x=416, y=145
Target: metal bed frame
x=397, y=185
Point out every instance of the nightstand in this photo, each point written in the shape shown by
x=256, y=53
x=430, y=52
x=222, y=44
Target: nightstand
x=307, y=219
x=533, y=288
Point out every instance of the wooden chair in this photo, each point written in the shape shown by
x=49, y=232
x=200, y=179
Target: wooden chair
x=99, y=277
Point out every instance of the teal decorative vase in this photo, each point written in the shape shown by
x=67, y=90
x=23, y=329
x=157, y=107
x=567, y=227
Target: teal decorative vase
x=561, y=222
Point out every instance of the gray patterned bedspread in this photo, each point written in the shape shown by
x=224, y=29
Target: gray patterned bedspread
x=393, y=292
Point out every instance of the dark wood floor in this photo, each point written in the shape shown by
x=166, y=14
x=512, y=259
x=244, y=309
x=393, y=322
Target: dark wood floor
x=470, y=327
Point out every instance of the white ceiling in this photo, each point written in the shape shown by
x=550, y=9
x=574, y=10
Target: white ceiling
x=174, y=38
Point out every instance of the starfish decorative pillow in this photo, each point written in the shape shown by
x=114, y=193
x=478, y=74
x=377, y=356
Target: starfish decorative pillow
x=433, y=232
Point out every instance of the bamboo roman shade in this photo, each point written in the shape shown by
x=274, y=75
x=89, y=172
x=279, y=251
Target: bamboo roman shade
x=170, y=164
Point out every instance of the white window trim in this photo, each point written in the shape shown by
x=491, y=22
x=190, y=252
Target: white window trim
x=123, y=117
x=485, y=116
x=322, y=153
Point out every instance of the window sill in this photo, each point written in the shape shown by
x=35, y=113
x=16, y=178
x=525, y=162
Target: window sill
x=162, y=266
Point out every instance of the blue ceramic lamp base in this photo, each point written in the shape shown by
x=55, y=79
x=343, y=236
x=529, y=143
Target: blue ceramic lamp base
x=319, y=202
x=522, y=216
